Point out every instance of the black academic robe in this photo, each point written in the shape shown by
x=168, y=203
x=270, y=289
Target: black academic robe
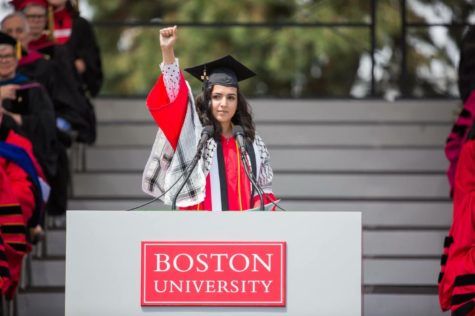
x=65, y=92
x=61, y=55
x=39, y=124
x=83, y=44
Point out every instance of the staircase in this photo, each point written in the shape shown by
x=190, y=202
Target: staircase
x=383, y=159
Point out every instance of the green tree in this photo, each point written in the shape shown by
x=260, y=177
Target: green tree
x=290, y=61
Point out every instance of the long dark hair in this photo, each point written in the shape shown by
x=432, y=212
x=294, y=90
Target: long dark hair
x=72, y=8
x=243, y=115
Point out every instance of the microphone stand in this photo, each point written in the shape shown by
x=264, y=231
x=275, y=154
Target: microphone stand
x=238, y=133
x=251, y=178
x=207, y=131
x=188, y=175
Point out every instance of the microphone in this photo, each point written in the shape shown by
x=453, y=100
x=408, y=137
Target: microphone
x=239, y=135
x=206, y=133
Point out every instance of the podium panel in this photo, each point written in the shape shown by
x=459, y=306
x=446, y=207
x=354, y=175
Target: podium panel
x=323, y=258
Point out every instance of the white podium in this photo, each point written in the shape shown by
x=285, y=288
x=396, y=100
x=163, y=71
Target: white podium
x=103, y=260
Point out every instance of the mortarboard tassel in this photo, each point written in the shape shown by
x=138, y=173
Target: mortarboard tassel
x=18, y=50
x=51, y=23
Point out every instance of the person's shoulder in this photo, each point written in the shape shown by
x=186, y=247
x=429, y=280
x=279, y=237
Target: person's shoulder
x=81, y=22
x=190, y=91
x=261, y=146
x=258, y=139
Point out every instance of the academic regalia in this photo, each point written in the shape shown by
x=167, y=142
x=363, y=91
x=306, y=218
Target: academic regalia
x=234, y=192
x=22, y=196
x=458, y=136
x=16, y=149
x=58, y=53
x=39, y=125
x=42, y=44
x=16, y=204
x=219, y=181
x=13, y=233
x=466, y=85
x=69, y=102
x=5, y=276
x=21, y=186
x=77, y=34
x=45, y=43
x=457, y=277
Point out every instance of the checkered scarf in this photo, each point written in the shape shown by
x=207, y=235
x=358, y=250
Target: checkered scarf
x=165, y=165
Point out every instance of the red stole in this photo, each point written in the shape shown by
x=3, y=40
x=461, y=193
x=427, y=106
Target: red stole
x=63, y=24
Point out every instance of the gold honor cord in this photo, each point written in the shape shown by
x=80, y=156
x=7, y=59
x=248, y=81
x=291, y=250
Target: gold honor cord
x=239, y=175
x=51, y=23
x=18, y=50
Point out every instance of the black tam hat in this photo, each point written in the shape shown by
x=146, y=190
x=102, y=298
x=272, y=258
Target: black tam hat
x=6, y=39
x=225, y=71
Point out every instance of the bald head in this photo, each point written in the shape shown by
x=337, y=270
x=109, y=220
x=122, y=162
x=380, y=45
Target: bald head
x=16, y=25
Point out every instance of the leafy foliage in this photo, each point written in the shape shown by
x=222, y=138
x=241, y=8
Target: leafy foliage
x=313, y=60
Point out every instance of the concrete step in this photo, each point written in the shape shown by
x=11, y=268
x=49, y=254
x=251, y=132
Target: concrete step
x=401, y=304
x=143, y=134
x=303, y=159
x=375, y=304
x=56, y=243
x=303, y=186
x=293, y=110
x=52, y=304
x=375, y=214
x=418, y=272
x=41, y=303
x=34, y=304
x=403, y=243
x=48, y=272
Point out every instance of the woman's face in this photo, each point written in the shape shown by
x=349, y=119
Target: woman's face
x=224, y=102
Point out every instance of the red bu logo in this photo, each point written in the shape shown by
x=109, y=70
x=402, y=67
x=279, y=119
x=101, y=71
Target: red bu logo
x=213, y=273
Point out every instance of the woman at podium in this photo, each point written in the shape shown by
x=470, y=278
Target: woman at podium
x=217, y=128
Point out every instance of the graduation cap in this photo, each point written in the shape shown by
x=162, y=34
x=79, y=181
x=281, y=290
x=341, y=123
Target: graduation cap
x=8, y=40
x=21, y=4
x=225, y=71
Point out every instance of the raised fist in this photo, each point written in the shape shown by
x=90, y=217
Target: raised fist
x=168, y=37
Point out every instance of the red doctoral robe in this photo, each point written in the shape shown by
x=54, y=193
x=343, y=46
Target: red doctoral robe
x=457, y=277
